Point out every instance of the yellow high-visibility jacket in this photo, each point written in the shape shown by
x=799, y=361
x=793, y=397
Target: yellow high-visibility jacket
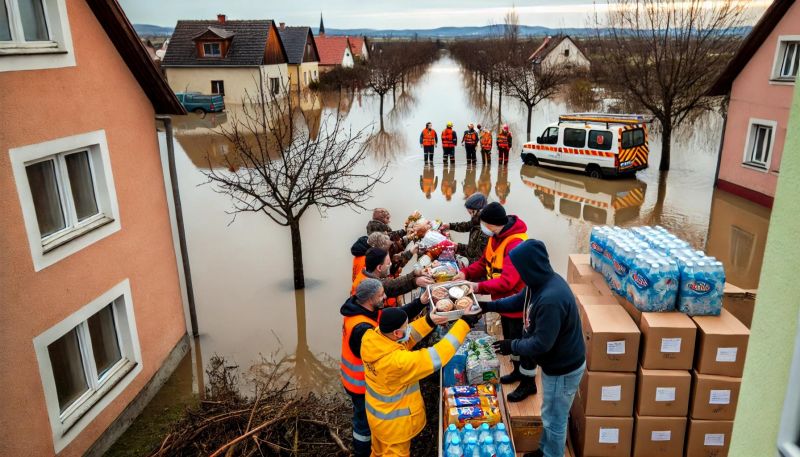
x=395, y=410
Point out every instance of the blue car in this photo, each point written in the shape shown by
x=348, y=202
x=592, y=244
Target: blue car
x=200, y=103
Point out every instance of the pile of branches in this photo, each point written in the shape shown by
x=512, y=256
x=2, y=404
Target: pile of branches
x=276, y=421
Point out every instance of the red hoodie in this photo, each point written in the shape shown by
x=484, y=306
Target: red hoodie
x=509, y=282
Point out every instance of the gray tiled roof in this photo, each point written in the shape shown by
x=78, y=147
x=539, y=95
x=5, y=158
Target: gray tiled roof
x=294, y=41
x=247, y=45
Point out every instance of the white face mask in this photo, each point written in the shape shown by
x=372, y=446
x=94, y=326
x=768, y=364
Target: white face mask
x=406, y=335
x=486, y=230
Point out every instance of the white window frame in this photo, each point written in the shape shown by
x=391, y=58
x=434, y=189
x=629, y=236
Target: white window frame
x=67, y=425
x=18, y=55
x=775, y=77
x=219, y=48
x=53, y=248
x=789, y=433
x=746, y=162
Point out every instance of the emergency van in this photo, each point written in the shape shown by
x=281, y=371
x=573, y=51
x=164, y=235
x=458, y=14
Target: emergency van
x=597, y=144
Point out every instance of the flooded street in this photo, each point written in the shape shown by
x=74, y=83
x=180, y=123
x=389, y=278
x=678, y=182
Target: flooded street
x=241, y=269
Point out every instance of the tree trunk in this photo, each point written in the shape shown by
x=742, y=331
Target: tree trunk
x=381, y=112
x=491, y=94
x=500, y=104
x=666, y=145
x=530, y=116
x=297, y=254
x=394, y=94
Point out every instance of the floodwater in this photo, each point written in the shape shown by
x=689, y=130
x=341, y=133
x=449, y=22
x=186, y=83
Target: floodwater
x=246, y=308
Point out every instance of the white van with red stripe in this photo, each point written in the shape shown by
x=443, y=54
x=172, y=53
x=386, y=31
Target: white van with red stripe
x=594, y=143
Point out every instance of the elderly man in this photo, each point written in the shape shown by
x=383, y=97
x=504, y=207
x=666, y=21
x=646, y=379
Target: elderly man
x=378, y=265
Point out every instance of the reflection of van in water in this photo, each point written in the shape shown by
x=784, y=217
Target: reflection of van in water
x=595, y=143
x=581, y=197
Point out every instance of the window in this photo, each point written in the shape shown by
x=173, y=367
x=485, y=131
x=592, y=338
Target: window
x=550, y=136
x=67, y=195
x=566, y=52
x=595, y=215
x=87, y=360
x=212, y=50
x=787, y=59
x=742, y=244
x=575, y=138
x=274, y=86
x=24, y=21
x=218, y=87
x=305, y=77
x=34, y=34
x=315, y=75
x=759, y=144
x=600, y=139
x=632, y=138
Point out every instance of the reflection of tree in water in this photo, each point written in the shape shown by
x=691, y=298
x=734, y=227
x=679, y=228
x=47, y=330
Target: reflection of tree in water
x=485, y=180
x=503, y=187
x=449, y=181
x=403, y=106
x=469, y=182
x=385, y=145
x=428, y=180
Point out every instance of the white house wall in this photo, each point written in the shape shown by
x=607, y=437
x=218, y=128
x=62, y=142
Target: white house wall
x=575, y=58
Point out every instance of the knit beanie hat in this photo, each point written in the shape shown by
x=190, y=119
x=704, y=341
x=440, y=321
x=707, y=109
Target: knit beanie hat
x=376, y=226
x=367, y=289
x=476, y=201
x=392, y=319
x=374, y=257
x=494, y=214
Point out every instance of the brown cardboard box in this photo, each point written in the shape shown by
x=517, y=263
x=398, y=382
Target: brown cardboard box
x=722, y=345
x=600, y=436
x=714, y=397
x=594, y=300
x=577, y=267
x=663, y=392
x=708, y=438
x=667, y=341
x=740, y=303
x=602, y=286
x=607, y=393
x=659, y=436
x=583, y=289
x=632, y=310
x=612, y=339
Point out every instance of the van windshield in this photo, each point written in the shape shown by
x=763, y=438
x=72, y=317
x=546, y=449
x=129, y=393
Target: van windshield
x=632, y=138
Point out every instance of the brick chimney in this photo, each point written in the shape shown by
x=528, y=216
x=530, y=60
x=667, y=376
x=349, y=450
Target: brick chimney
x=283, y=25
x=221, y=18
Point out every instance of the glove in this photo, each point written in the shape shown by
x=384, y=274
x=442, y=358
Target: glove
x=502, y=347
x=484, y=306
x=471, y=319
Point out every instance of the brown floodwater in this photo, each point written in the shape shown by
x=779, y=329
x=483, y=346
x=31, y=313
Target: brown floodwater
x=246, y=308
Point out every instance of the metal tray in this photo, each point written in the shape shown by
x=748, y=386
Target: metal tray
x=456, y=313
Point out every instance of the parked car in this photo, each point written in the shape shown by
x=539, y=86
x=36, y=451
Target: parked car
x=201, y=103
x=597, y=144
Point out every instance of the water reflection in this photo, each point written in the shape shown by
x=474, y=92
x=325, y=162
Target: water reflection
x=502, y=187
x=485, y=180
x=448, y=181
x=428, y=181
x=470, y=186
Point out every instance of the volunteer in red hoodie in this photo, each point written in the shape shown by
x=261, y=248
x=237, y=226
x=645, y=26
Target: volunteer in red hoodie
x=495, y=275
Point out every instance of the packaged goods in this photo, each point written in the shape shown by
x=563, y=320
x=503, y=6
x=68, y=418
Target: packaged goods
x=702, y=287
x=454, y=373
x=474, y=415
x=484, y=401
x=470, y=391
x=482, y=363
x=444, y=305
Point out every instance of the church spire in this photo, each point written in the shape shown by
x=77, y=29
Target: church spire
x=321, y=25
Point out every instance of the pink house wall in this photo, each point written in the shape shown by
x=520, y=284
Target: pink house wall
x=753, y=96
x=40, y=105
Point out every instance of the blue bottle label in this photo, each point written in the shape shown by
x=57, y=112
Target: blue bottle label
x=700, y=287
x=596, y=247
x=620, y=268
x=640, y=280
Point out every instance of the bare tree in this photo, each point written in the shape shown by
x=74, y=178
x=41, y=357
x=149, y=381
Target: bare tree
x=279, y=170
x=665, y=54
x=532, y=83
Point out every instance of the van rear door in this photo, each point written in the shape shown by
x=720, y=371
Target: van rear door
x=634, y=150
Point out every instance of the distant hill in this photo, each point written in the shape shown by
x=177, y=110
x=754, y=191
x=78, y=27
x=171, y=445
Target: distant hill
x=152, y=30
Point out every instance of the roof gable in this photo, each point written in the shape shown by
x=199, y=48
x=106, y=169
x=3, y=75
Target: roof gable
x=331, y=49
x=356, y=45
x=215, y=32
x=247, y=49
x=295, y=40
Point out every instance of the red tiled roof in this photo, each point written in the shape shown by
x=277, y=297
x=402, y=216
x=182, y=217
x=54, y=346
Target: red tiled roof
x=331, y=49
x=356, y=45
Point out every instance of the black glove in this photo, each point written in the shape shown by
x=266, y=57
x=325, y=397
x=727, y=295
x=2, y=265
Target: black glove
x=502, y=347
x=471, y=319
x=484, y=306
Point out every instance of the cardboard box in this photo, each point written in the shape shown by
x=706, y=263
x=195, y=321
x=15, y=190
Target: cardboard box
x=594, y=300
x=722, y=345
x=600, y=436
x=714, y=397
x=659, y=436
x=583, y=289
x=740, y=303
x=612, y=339
x=607, y=393
x=577, y=267
x=602, y=286
x=708, y=438
x=668, y=341
x=663, y=392
x=632, y=310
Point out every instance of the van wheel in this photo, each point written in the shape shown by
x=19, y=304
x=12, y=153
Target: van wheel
x=530, y=159
x=200, y=111
x=594, y=171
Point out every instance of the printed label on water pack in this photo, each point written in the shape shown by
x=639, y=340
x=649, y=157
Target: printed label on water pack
x=596, y=247
x=726, y=354
x=665, y=394
x=611, y=393
x=699, y=287
x=665, y=435
x=640, y=280
x=720, y=397
x=714, y=439
x=620, y=268
x=615, y=347
x=670, y=345
x=609, y=436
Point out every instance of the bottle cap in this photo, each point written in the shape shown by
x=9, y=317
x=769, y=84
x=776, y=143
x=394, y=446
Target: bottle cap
x=455, y=440
x=451, y=427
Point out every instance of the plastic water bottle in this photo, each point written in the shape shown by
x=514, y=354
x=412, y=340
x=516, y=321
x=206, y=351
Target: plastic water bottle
x=454, y=449
x=488, y=449
x=483, y=432
x=468, y=432
x=471, y=448
x=450, y=433
x=504, y=448
x=499, y=432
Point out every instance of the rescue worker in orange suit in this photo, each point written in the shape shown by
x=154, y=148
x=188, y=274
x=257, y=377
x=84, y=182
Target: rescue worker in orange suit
x=486, y=145
x=470, y=142
x=428, y=181
x=502, y=187
x=449, y=182
x=360, y=314
x=497, y=276
x=395, y=409
x=449, y=142
x=428, y=140
x=505, y=141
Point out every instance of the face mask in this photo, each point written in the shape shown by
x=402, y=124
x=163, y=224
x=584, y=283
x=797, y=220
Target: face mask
x=406, y=336
x=486, y=230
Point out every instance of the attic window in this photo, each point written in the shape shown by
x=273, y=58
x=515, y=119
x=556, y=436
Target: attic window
x=566, y=52
x=212, y=50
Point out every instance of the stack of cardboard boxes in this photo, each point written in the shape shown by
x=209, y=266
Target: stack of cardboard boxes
x=689, y=369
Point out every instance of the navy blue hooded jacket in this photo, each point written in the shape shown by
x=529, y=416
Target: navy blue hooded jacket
x=552, y=334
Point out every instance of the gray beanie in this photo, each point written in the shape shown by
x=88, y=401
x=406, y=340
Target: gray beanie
x=367, y=289
x=476, y=201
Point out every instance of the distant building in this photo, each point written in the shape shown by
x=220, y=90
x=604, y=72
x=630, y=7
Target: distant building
x=151, y=50
x=91, y=314
x=760, y=82
x=334, y=51
x=230, y=58
x=560, y=51
x=359, y=47
x=301, y=50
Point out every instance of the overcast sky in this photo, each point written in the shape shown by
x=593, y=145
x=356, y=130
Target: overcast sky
x=376, y=14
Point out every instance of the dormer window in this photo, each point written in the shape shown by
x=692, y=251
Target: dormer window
x=212, y=50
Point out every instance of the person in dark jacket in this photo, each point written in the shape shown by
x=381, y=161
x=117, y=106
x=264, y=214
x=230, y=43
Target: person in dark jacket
x=360, y=247
x=378, y=266
x=477, y=239
x=552, y=338
x=470, y=141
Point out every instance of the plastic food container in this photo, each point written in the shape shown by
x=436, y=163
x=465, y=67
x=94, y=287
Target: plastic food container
x=456, y=313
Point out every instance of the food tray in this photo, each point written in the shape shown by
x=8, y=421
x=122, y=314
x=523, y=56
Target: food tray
x=456, y=313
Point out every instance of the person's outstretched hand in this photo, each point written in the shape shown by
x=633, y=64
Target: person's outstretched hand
x=502, y=347
x=423, y=281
